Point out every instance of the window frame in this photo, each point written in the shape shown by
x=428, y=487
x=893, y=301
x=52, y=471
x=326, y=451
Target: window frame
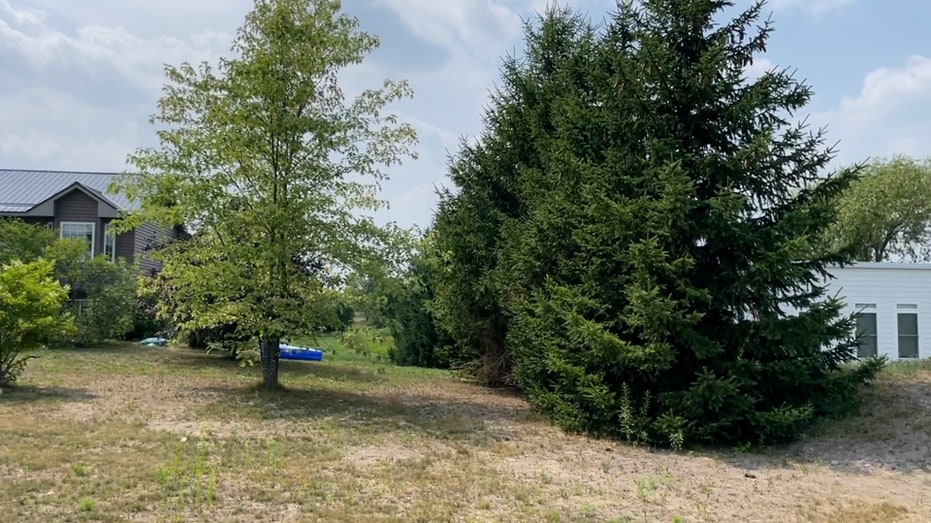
x=864, y=310
x=93, y=226
x=109, y=240
x=898, y=330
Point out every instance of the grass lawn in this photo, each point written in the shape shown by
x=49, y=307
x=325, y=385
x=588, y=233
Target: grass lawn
x=124, y=433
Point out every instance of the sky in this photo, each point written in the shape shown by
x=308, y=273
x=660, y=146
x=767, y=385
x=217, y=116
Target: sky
x=79, y=80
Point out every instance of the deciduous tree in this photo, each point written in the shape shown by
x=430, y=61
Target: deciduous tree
x=885, y=214
x=271, y=166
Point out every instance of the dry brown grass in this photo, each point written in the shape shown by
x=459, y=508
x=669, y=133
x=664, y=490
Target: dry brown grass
x=131, y=434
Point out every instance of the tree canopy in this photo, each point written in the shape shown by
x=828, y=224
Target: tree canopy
x=885, y=214
x=272, y=167
x=634, y=224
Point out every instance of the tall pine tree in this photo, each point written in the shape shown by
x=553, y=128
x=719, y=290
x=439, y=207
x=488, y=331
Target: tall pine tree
x=469, y=227
x=667, y=209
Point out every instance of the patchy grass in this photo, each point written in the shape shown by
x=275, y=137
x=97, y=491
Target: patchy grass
x=128, y=433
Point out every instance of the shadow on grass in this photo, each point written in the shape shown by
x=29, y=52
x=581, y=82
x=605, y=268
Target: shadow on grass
x=29, y=394
x=116, y=347
x=289, y=370
x=366, y=414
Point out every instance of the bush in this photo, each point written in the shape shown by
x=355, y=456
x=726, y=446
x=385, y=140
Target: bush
x=23, y=241
x=102, y=293
x=30, y=313
x=109, y=300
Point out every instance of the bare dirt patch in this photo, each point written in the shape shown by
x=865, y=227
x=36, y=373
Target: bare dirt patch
x=175, y=436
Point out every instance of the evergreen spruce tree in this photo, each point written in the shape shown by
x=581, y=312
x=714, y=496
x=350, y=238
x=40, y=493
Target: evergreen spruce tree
x=647, y=219
x=468, y=230
x=668, y=316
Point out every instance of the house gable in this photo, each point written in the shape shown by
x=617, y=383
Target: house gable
x=75, y=196
x=55, y=197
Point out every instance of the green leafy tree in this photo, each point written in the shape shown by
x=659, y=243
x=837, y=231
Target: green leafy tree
x=267, y=163
x=886, y=213
x=651, y=231
x=23, y=241
x=372, y=294
x=30, y=313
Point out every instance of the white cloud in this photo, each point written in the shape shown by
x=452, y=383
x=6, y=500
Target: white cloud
x=410, y=207
x=62, y=132
x=148, y=18
x=758, y=67
x=889, y=89
x=813, y=7
x=449, y=98
x=81, y=93
x=28, y=33
x=891, y=113
x=475, y=25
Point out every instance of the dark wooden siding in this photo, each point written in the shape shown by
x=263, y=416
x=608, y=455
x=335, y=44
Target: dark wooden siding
x=79, y=207
x=126, y=246
x=149, y=236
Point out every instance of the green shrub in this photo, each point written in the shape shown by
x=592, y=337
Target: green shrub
x=102, y=296
x=23, y=241
x=30, y=312
x=108, y=304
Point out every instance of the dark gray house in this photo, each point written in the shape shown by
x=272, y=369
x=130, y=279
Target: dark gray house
x=77, y=205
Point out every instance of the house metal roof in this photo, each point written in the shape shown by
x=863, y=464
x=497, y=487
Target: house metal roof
x=900, y=266
x=20, y=190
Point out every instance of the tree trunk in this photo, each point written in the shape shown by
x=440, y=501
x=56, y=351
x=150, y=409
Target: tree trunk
x=269, y=351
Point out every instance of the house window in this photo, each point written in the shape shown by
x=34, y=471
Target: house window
x=81, y=231
x=109, y=242
x=908, y=333
x=867, y=342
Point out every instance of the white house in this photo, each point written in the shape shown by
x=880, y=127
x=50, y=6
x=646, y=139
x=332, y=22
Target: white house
x=893, y=302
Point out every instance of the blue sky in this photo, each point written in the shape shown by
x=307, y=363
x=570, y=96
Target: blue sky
x=78, y=80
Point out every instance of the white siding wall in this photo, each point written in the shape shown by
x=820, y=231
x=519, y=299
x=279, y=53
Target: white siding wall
x=888, y=285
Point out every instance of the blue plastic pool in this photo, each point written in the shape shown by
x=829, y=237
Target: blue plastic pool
x=290, y=352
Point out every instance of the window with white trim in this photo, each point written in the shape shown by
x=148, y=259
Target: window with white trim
x=81, y=231
x=109, y=242
x=908, y=332
x=867, y=342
